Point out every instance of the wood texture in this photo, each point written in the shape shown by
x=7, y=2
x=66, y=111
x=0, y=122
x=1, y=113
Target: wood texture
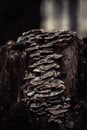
x=15, y=60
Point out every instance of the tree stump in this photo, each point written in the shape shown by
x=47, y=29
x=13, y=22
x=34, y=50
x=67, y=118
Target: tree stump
x=40, y=69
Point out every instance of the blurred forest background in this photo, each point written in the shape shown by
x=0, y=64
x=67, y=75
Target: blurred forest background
x=17, y=17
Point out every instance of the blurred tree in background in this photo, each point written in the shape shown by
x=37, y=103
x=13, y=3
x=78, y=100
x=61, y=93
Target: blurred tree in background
x=17, y=17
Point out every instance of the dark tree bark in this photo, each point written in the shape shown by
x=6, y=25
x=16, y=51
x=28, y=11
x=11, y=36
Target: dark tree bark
x=19, y=60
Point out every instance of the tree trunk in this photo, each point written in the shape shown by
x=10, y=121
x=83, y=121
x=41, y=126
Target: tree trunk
x=41, y=70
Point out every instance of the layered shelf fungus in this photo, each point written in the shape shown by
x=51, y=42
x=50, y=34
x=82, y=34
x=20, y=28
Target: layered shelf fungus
x=44, y=71
x=50, y=75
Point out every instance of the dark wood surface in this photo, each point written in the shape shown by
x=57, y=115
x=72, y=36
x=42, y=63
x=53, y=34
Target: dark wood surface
x=14, y=60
